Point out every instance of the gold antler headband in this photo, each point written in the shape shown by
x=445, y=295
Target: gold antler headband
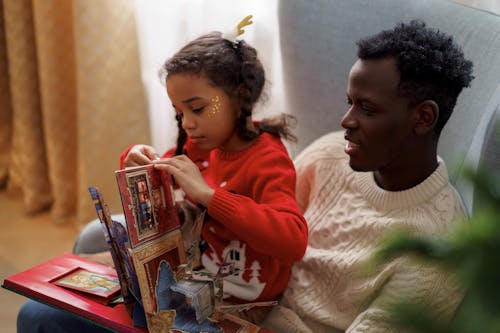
x=233, y=35
x=243, y=23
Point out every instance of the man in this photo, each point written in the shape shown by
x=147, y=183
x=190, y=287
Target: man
x=382, y=173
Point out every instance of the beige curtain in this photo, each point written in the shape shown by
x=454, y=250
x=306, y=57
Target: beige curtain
x=71, y=100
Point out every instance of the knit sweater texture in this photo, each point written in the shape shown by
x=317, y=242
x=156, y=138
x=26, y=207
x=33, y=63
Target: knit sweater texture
x=332, y=289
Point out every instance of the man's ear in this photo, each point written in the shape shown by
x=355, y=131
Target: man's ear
x=426, y=117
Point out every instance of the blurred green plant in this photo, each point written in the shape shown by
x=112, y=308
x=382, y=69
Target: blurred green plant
x=473, y=253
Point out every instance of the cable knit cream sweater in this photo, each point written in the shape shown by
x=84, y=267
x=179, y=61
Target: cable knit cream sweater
x=331, y=289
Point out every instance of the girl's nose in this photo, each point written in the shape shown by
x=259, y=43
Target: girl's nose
x=188, y=122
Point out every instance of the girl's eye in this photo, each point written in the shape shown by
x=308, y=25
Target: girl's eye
x=198, y=110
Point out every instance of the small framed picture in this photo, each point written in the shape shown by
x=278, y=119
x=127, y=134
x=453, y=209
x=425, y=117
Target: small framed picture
x=140, y=189
x=90, y=282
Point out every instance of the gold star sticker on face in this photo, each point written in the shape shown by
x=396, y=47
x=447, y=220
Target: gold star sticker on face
x=215, y=106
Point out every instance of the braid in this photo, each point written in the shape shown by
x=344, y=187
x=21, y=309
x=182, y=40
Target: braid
x=242, y=125
x=251, y=83
x=181, y=137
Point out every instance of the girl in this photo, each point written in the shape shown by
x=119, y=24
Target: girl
x=239, y=170
x=236, y=168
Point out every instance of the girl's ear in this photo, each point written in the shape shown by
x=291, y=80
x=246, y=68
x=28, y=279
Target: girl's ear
x=426, y=116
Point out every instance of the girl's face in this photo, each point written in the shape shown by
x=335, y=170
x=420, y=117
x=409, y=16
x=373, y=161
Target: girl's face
x=208, y=112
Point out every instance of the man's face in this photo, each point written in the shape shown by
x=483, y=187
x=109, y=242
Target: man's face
x=378, y=123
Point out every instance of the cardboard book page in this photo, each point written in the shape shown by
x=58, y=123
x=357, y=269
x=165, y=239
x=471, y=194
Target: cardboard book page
x=115, y=234
x=153, y=229
x=148, y=203
x=148, y=258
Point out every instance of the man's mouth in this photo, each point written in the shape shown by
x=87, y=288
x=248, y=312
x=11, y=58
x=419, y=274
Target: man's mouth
x=351, y=147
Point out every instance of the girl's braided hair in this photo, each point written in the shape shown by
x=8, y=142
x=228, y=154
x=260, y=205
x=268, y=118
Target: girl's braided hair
x=234, y=67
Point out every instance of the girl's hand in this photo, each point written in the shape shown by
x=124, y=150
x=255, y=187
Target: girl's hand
x=140, y=155
x=188, y=177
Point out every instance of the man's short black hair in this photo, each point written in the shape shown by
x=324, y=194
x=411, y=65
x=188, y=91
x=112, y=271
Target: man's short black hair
x=431, y=65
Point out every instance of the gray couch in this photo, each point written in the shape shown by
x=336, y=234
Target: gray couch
x=318, y=48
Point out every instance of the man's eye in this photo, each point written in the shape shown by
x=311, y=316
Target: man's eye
x=367, y=110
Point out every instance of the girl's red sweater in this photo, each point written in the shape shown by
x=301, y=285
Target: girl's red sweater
x=253, y=218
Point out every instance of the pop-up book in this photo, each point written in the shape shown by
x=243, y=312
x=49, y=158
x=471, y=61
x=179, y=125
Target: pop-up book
x=154, y=286
x=164, y=235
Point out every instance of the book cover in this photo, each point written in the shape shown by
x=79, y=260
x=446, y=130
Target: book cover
x=39, y=284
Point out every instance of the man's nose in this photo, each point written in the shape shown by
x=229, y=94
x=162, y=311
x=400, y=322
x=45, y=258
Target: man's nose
x=348, y=120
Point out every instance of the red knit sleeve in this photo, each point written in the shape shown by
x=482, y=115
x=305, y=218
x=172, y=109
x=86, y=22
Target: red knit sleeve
x=270, y=220
x=124, y=155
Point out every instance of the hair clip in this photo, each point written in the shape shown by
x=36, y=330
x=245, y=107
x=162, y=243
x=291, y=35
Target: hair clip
x=233, y=35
